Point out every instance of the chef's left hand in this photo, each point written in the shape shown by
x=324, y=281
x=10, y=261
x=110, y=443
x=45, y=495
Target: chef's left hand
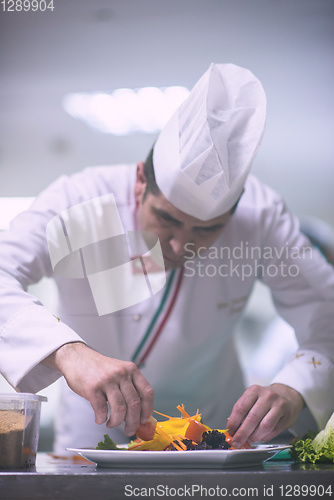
x=263, y=412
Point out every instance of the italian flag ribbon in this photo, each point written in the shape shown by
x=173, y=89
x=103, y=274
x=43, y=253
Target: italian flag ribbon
x=145, y=347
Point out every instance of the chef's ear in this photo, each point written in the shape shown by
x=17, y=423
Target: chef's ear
x=140, y=185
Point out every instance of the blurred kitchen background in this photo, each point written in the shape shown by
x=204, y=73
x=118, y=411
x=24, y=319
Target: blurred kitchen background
x=53, y=120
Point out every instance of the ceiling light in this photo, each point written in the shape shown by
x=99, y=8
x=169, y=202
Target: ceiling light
x=126, y=111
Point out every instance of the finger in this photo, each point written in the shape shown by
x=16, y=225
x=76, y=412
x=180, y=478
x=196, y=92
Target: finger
x=279, y=427
x=267, y=425
x=99, y=404
x=117, y=405
x=133, y=407
x=146, y=394
x=250, y=423
x=241, y=409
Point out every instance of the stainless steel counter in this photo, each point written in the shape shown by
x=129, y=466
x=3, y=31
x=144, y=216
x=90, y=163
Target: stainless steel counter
x=53, y=479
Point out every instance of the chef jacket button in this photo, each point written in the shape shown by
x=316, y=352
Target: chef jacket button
x=136, y=317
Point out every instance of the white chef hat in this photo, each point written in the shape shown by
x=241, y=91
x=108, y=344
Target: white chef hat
x=203, y=155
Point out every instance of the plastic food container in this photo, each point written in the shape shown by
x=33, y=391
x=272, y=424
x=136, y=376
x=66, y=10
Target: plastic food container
x=19, y=429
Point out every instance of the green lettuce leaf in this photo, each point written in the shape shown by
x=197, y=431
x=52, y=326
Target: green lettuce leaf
x=315, y=447
x=108, y=444
x=325, y=438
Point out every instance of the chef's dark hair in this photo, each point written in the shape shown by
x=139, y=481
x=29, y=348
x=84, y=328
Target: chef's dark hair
x=151, y=183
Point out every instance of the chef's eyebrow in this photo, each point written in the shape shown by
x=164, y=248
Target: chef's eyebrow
x=165, y=215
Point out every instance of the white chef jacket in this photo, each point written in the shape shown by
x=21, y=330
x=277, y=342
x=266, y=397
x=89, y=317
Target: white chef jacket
x=193, y=361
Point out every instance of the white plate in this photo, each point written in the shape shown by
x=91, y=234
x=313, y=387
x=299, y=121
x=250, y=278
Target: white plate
x=208, y=459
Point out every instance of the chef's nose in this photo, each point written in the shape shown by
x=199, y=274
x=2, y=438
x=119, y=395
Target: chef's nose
x=178, y=241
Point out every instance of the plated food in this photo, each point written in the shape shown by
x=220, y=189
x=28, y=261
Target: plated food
x=182, y=433
x=209, y=448
x=201, y=459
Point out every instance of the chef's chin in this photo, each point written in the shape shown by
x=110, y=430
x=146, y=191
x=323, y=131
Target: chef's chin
x=172, y=264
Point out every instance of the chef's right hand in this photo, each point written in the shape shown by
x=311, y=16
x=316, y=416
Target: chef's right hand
x=101, y=379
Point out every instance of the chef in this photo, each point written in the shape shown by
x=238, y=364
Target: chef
x=219, y=229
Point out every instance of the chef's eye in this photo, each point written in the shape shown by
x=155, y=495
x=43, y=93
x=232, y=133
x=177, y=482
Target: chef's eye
x=169, y=220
